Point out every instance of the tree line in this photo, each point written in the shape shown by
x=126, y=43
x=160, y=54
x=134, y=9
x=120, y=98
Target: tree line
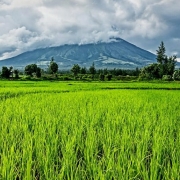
x=30, y=70
x=78, y=72
x=164, y=69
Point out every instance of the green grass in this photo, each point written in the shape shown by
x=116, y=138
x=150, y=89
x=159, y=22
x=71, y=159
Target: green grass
x=55, y=130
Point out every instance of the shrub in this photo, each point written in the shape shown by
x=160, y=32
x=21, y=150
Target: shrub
x=101, y=77
x=24, y=78
x=127, y=78
x=176, y=75
x=166, y=78
x=67, y=78
x=109, y=77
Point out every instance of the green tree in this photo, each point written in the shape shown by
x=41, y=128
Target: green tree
x=75, y=69
x=171, y=63
x=136, y=72
x=166, y=64
x=6, y=72
x=53, y=66
x=150, y=72
x=105, y=71
x=30, y=69
x=101, y=77
x=109, y=77
x=167, y=78
x=16, y=72
x=11, y=71
x=38, y=72
x=92, y=70
x=176, y=75
x=161, y=56
x=83, y=70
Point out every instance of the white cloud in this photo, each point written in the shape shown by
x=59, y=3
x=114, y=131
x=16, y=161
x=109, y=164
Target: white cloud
x=27, y=25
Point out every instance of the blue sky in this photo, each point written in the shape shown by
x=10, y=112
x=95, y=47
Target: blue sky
x=26, y=25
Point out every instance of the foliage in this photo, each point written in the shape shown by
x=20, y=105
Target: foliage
x=127, y=78
x=75, y=69
x=83, y=70
x=161, y=56
x=164, y=66
x=167, y=64
x=6, y=72
x=38, y=72
x=150, y=72
x=92, y=70
x=105, y=71
x=101, y=77
x=30, y=69
x=171, y=65
x=67, y=78
x=16, y=72
x=176, y=75
x=166, y=78
x=53, y=66
x=109, y=77
x=124, y=72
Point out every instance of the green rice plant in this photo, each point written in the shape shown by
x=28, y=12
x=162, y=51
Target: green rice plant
x=82, y=131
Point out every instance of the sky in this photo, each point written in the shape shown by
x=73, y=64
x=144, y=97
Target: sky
x=26, y=25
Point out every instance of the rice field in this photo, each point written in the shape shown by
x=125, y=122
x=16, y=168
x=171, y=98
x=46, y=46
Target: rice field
x=103, y=131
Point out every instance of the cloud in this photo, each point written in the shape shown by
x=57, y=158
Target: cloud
x=27, y=25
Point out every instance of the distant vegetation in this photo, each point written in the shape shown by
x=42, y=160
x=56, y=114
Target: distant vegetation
x=33, y=72
x=164, y=69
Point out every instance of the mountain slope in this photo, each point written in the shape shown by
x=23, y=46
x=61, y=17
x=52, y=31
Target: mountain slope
x=115, y=54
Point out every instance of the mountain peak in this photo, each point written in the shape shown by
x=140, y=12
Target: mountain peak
x=116, y=53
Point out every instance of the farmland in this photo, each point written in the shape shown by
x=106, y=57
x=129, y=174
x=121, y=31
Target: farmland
x=71, y=130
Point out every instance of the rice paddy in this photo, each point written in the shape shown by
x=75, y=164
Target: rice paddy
x=68, y=130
